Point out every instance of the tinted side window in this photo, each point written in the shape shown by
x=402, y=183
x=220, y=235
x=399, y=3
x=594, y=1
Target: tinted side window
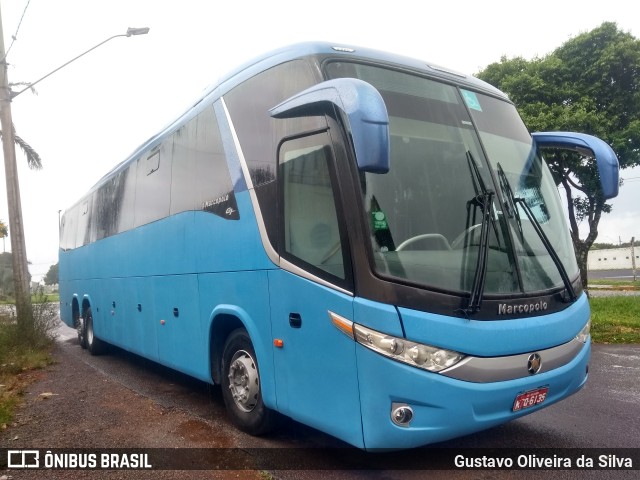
x=153, y=184
x=183, y=195
x=83, y=229
x=259, y=134
x=249, y=105
x=68, y=228
x=201, y=178
x=126, y=204
x=311, y=230
x=111, y=208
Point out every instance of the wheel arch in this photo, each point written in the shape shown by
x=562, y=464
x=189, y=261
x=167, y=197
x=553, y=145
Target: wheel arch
x=223, y=320
x=75, y=307
x=86, y=304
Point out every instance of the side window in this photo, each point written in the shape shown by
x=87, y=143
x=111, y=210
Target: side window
x=258, y=132
x=153, y=184
x=184, y=166
x=126, y=198
x=201, y=178
x=310, y=229
x=152, y=163
x=112, y=207
x=83, y=232
x=69, y=228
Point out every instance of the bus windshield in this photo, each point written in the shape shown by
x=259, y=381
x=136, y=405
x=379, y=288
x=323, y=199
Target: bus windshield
x=462, y=163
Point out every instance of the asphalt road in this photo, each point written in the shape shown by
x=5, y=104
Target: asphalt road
x=626, y=274
x=604, y=415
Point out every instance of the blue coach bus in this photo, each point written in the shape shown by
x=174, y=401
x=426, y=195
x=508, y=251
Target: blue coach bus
x=366, y=243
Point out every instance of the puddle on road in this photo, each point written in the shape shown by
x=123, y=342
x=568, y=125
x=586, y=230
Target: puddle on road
x=201, y=432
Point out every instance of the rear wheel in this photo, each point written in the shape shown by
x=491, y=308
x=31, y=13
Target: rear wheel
x=241, y=386
x=78, y=322
x=94, y=344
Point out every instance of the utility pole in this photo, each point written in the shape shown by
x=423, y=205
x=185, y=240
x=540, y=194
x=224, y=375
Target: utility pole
x=24, y=309
x=633, y=257
x=16, y=226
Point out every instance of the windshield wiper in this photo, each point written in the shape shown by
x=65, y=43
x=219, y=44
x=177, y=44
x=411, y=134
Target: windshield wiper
x=513, y=202
x=510, y=205
x=484, y=200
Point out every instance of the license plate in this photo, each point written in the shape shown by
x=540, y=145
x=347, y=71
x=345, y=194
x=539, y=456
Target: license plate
x=530, y=399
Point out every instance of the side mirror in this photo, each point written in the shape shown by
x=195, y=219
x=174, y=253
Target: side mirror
x=608, y=166
x=365, y=112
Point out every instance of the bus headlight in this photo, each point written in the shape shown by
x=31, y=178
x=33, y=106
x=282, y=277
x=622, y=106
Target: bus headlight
x=418, y=355
x=583, y=336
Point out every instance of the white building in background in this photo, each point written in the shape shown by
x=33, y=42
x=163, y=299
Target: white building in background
x=613, y=258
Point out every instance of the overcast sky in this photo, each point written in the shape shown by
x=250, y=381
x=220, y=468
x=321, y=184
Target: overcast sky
x=93, y=113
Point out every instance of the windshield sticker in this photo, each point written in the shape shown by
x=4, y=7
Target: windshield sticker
x=379, y=221
x=471, y=99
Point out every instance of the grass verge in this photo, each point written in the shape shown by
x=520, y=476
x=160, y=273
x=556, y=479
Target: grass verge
x=615, y=319
x=35, y=298
x=617, y=284
x=25, y=347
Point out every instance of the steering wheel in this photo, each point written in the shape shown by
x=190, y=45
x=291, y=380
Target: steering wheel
x=460, y=239
x=423, y=236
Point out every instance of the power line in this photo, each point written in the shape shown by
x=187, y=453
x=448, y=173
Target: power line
x=14, y=37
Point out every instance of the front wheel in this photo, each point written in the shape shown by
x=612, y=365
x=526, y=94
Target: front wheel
x=241, y=386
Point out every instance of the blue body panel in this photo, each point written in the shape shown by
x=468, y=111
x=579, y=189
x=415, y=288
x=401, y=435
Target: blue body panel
x=499, y=337
x=135, y=280
x=186, y=243
x=225, y=293
x=378, y=316
x=315, y=371
x=446, y=408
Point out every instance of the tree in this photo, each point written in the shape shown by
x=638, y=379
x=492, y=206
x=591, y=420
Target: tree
x=4, y=232
x=590, y=84
x=7, y=287
x=33, y=159
x=6, y=274
x=51, y=278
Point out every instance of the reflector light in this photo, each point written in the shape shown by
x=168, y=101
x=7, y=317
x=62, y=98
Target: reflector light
x=342, y=324
x=583, y=336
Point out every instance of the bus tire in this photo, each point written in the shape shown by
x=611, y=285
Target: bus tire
x=80, y=325
x=240, y=384
x=94, y=344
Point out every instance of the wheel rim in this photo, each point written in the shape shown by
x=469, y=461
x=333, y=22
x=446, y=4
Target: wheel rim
x=89, y=330
x=244, y=382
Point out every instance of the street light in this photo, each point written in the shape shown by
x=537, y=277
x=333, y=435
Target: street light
x=16, y=231
x=130, y=32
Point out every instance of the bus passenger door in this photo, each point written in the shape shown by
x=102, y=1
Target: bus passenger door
x=315, y=369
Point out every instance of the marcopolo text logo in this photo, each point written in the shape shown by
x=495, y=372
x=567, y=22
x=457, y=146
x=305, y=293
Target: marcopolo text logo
x=509, y=309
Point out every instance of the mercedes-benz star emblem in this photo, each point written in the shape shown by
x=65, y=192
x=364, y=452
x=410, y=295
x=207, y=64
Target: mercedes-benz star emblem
x=534, y=363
